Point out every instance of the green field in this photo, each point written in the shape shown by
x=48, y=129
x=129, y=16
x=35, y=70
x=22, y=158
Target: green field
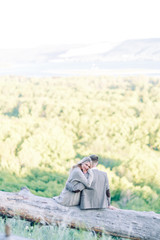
x=48, y=124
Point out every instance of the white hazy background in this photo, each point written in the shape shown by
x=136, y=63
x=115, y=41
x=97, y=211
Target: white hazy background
x=34, y=23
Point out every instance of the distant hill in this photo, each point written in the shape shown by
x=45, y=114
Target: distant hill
x=143, y=49
x=131, y=55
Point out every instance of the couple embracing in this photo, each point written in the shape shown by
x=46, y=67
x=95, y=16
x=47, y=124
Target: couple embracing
x=86, y=186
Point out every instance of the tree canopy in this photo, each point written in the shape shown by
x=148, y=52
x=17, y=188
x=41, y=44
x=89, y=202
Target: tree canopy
x=48, y=124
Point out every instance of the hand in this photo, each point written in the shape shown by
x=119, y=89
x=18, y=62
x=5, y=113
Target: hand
x=112, y=207
x=76, y=191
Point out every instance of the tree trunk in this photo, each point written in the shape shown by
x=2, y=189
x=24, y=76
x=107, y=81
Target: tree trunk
x=121, y=223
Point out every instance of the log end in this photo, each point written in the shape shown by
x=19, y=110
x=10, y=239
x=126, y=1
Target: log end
x=25, y=191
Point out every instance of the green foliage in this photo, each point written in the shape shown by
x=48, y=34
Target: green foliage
x=47, y=125
x=42, y=183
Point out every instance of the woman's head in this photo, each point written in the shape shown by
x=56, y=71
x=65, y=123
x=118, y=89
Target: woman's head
x=84, y=164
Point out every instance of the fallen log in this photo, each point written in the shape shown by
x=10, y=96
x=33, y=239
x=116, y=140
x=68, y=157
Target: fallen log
x=121, y=223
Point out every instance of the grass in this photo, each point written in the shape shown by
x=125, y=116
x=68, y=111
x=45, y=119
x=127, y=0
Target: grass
x=28, y=230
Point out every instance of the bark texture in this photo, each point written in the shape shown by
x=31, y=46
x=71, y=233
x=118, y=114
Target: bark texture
x=123, y=223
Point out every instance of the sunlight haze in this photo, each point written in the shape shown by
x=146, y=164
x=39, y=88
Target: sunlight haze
x=35, y=23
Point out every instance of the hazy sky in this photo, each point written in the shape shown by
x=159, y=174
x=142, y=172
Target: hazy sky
x=30, y=23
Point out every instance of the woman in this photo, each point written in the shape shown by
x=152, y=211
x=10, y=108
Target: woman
x=68, y=198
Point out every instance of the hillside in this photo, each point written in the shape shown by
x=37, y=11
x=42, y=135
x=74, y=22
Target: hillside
x=49, y=124
x=131, y=50
x=143, y=54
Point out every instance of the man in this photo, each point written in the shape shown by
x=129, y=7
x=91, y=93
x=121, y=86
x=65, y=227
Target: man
x=98, y=195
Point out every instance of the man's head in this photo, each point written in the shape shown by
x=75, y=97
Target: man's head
x=94, y=159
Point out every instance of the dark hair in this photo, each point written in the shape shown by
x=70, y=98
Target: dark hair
x=94, y=158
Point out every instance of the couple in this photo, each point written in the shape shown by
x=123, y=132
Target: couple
x=86, y=186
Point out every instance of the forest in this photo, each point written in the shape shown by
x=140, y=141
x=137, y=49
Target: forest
x=49, y=124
